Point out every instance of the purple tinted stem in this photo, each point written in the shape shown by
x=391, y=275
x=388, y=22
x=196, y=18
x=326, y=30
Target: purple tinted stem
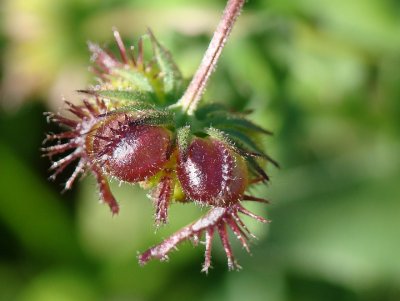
x=198, y=84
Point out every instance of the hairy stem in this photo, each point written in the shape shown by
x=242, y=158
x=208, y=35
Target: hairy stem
x=194, y=92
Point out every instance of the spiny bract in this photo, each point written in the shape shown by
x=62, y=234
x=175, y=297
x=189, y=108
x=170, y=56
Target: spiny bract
x=129, y=127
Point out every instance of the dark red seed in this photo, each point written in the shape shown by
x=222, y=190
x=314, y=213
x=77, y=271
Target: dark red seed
x=130, y=153
x=212, y=172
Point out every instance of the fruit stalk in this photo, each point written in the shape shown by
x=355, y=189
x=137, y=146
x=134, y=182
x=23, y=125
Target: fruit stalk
x=195, y=90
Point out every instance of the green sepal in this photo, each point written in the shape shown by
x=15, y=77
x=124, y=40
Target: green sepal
x=256, y=168
x=237, y=147
x=183, y=136
x=172, y=77
x=226, y=120
x=203, y=111
x=132, y=78
x=145, y=114
x=247, y=146
x=161, y=118
x=223, y=137
x=126, y=97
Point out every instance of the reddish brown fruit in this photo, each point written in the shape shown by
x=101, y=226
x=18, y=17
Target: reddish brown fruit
x=212, y=173
x=130, y=152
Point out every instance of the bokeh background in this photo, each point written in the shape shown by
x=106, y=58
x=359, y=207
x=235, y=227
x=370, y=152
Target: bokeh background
x=324, y=76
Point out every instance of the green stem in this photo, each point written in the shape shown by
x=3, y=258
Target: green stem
x=195, y=90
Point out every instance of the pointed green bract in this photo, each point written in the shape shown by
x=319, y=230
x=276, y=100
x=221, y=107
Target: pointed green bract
x=144, y=114
x=223, y=119
x=151, y=117
x=256, y=168
x=243, y=140
x=132, y=79
x=125, y=97
x=172, y=77
x=247, y=146
x=221, y=136
x=203, y=111
x=183, y=137
x=155, y=120
x=237, y=145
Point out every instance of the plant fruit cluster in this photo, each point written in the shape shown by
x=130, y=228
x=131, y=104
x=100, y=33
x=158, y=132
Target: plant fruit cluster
x=129, y=127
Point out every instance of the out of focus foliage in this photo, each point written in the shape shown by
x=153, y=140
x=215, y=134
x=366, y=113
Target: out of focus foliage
x=323, y=75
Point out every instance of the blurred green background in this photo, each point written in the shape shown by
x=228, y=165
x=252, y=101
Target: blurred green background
x=324, y=76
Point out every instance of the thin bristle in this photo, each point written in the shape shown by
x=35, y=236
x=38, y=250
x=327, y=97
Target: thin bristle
x=239, y=233
x=58, y=149
x=227, y=246
x=57, y=118
x=78, y=169
x=78, y=111
x=207, y=254
x=252, y=215
x=242, y=225
x=254, y=199
x=90, y=107
x=59, y=136
x=101, y=104
x=60, y=168
x=121, y=46
x=62, y=163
